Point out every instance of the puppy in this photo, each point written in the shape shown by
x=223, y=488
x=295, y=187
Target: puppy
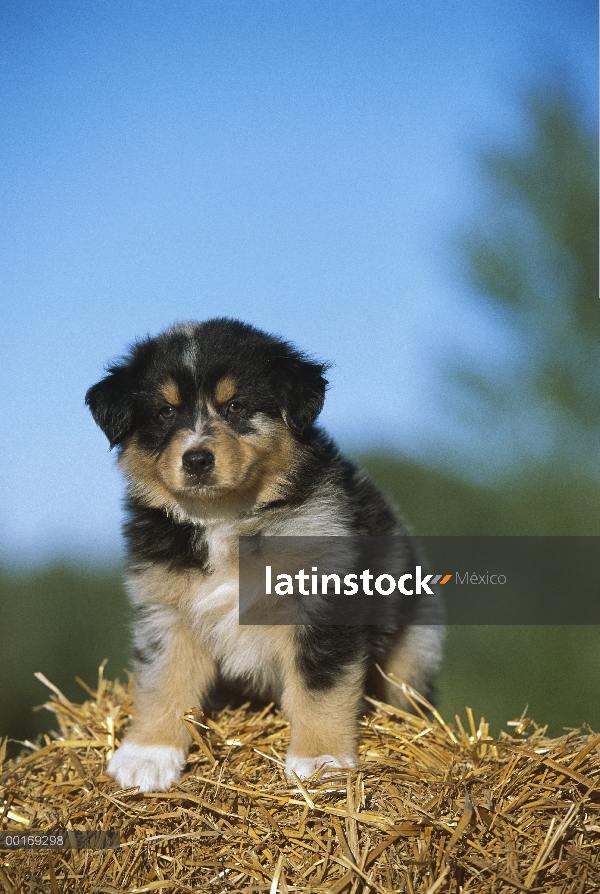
x=214, y=424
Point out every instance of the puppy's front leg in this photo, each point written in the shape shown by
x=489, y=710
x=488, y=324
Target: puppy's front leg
x=172, y=674
x=324, y=723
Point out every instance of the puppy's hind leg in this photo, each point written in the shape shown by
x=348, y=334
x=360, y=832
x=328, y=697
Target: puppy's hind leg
x=171, y=676
x=414, y=659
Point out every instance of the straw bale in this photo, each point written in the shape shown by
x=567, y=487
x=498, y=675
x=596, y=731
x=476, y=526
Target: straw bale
x=431, y=808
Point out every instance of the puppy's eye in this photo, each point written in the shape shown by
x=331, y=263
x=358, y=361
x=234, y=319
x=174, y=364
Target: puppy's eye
x=234, y=408
x=166, y=412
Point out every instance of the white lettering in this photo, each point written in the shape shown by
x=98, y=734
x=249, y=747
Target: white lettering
x=422, y=582
x=391, y=584
x=401, y=585
x=325, y=578
x=351, y=587
x=302, y=577
x=366, y=577
x=286, y=587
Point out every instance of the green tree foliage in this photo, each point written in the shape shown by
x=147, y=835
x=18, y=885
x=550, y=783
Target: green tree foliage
x=534, y=259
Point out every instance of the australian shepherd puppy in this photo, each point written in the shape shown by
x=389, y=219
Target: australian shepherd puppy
x=214, y=424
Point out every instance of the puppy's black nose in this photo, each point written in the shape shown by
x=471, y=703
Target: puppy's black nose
x=198, y=462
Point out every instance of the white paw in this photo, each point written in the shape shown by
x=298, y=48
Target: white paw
x=153, y=768
x=305, y=767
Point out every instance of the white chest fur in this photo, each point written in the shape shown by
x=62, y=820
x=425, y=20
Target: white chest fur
x=205, y=604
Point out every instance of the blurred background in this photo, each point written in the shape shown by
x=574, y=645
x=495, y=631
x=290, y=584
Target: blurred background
x=407, y=190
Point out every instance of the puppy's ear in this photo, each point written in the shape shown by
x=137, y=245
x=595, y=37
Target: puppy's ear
x=300, y=386
x=111, y=404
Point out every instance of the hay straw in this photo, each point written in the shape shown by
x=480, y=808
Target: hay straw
x=430, y=808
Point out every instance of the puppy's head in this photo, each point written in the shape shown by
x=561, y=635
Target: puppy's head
x=208, y=410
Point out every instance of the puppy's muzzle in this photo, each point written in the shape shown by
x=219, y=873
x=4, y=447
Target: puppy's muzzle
x=198, y=463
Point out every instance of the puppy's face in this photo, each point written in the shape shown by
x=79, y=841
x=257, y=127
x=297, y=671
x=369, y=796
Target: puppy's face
x=206, y=412
x=205, y=442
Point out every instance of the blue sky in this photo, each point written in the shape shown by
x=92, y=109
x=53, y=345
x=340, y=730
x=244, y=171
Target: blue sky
x=299, y=165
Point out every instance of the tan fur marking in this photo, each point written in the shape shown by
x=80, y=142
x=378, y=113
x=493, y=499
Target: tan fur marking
x=179, y=675
x=141, y=470
x=170, y=392
x=233, y=457
x=278, y=461
x=225, y=390
x=164, y=693
x=413, y=658
x=323, y=722
x=161, y=585
x=252, y=465
x=168, y=464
